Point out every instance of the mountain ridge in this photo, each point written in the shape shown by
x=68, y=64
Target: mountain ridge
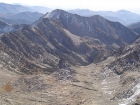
x=64, y=58
x=10, y=8
x=53, y=36
x=68, y=19
x=5, y=27
x=21, y=18
x=110, y=15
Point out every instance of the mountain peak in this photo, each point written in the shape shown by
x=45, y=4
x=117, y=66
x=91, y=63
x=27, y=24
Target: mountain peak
x=55, y=14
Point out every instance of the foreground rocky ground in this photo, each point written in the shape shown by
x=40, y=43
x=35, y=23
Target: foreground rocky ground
x=85, y=85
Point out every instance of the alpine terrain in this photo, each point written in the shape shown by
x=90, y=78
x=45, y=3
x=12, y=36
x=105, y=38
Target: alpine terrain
x=68, y=59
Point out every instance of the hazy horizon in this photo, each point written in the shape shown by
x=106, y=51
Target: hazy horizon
x=94, y=5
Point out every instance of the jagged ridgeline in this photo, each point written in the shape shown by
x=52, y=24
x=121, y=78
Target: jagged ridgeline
x=37, y=48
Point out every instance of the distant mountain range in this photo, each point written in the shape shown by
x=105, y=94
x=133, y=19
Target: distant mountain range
x=16, y=21
x=19, y=14
x=21, y=18
x=122, y=16
x=10, y=8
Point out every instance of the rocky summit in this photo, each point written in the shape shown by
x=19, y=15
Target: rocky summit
x=67, y=59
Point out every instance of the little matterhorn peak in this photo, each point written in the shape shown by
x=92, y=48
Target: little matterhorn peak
x=53, y=15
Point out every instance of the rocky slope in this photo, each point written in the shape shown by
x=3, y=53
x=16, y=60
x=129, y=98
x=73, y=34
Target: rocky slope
x=135, y=27
x=43, y=63
x=126, y=66
x=46, y=49
x=96, y=27
x=80, y=40
x=5, y=27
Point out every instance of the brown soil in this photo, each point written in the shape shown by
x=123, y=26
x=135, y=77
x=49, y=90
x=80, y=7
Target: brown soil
x=8, y=87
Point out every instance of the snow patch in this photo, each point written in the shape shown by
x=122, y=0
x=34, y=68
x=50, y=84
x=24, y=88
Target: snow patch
x=131, y=99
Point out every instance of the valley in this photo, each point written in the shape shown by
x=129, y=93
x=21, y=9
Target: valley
x=61, y=58
x=86, y=87
x=94, y=84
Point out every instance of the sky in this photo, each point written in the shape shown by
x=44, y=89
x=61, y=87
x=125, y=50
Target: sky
x=96, y=5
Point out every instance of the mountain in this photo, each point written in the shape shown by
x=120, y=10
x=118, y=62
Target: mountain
x=42, y=48
x=126, y=67
x=30, y=16
x=80, y=40
x=135, y=27
x=96, y=27
x=115, y=19
x=15, y=21
x=10, y=8
x=5, y=27
x=122, y=16
x=21, y=17
x=82, y=12
x=128, y=58
x=40, y=9
x=67, y=59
